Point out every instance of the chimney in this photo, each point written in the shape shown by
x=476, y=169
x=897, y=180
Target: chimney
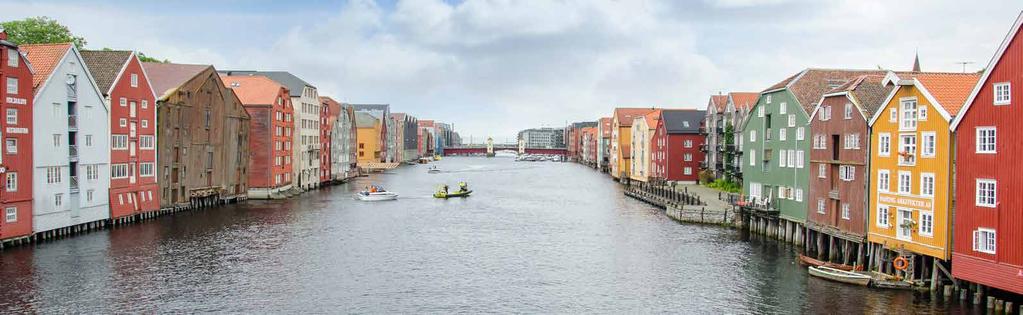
x=3, y=33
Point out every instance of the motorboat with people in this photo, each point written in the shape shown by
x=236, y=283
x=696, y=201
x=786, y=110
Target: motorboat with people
x=433, y=170
x=463, y=191
x=376, y=193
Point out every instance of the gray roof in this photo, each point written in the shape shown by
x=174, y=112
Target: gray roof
x=364, y=120
x=294, y=83
x=105, y=65
x=584, y=124
x=674, y=120
x=367, y=107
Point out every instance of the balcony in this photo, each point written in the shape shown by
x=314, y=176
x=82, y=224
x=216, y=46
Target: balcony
x=719, y=129
x=833, y=194
x=74, y=184
x=73, y=153
x=704, y=147
x=72, y=122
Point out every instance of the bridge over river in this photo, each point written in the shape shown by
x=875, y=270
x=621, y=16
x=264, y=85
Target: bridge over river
x=482, y=149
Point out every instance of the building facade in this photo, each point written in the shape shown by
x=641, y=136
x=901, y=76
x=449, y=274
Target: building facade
x=838, y=172
x=329, y=114
x=132, y=105
x=380, y=112
x=271, y=115
x=714, y=130
x=543, y=137
x=203, y=137
x=603, y=143
x=911, y=168
x=16, y=130
x=368, y=135
x=676, y=146
x=736, y=111
x=642, y=133
x=72, y=123
x=988, y=234
x=621, y=141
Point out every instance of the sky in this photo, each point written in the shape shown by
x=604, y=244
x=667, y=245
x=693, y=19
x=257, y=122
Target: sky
x=493, y=67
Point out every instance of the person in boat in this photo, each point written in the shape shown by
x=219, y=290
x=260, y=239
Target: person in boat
x=445, y=189
x=463, y=187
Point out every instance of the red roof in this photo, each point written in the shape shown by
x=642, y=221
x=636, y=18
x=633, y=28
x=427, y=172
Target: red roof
x=719, y=102
x=44, y=59
x=253, y=89
x=626, y=115
x=950, y=90
x=744, y=100
x=652, y=118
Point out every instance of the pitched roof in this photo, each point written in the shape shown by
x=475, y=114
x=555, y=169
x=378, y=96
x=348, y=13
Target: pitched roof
x=868, y=90
x=605, y=123
x=165, y=77
x=678, y=121
x=333, y=106
x=719, y=102
x=253, y=90
x=995, y=60
x=294, y=84
x=44, y=59
x=809, y=85
x=625, y=115
x=364, y=120
x=743, y=100
x=652, y=118
x=105, y=65
x=950, y=90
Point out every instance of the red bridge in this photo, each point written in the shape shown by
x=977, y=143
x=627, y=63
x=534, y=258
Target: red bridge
x=483, y=150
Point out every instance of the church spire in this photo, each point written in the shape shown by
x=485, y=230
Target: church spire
x=916, y=62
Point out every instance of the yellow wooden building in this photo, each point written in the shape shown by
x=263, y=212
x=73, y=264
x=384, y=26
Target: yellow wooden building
x=911, y=163
x=621, y=140
x=368, y=138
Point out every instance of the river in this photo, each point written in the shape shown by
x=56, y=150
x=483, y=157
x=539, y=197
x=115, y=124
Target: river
x=539, y=237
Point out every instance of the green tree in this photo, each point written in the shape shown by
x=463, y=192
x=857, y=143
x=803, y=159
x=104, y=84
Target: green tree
x=144, y=58
x=40, y=30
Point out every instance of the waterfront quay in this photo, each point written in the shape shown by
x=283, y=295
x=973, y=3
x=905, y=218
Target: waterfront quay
x=528, y=240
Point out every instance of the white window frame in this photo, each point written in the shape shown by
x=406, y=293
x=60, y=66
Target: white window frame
x=989, y=238
x=753, y=136
x=12, y=85
x=11, y=215
x=908, y=115
x=996, y=90
x=981, y=198
x=928, y=151
x=12, y=116
x=983, y=147
x=147, y=142
x=782, y=134
x=134, y=80
x=800, y=134
x=822, y=170
x=152, y=169
x=893, y=115
x=12, y=57
x=800, y=156
x=883, y=211
x=848, y=111
x=799, y=195
x=782, y=108
x=929, y=231
x=782, y=158
x=118, y=142
x=905, y=188
x=846, y=215
x=11, y=181
x=792, y=120
x=912, y=150
x=753, y=157
x=118, y=171
x=820, y=206
x=12, y=145
x=927, y=184
x=922, y=116
x=884, y=144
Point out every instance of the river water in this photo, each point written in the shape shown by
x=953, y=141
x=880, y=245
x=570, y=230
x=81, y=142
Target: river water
x=533, y=238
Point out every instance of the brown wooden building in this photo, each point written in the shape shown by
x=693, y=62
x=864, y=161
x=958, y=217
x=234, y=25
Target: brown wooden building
x=836, y=218
x=202, y=136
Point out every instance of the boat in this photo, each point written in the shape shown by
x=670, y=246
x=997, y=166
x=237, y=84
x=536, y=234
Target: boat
x=376, y=196
x=433, y=170
x=809, y=261
x=838, y=275
x=457, y=194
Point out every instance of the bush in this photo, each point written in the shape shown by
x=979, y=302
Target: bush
x=726, y=185
x=706, y=176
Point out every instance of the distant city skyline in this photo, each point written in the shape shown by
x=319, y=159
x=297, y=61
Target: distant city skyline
x=492, y=68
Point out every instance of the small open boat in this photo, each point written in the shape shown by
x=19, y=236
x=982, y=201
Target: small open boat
x=376, y=196
x=840, y=275
x=444, y=195
x=433, y=171
x=809, y=261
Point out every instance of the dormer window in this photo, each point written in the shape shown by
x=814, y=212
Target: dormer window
x=12, y=58
x=1003, y=93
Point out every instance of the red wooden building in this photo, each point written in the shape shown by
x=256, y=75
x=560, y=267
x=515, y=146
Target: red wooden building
x=132, y=104
x=329, y=110
x=988, y=221
x=16, y=155
x=675, y=147
x=268, y=103
x=838, y=172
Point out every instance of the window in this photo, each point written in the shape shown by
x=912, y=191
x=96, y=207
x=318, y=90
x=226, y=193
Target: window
x=928, y=144
x=688, y=143
x=927, y=184
x=89, y=194
x=119, y=142
x=12, y=57
x=782, y=158
x=923, y=113
x=822, y=170
x=905, y=182
x=124, y=102
x=12, y=145
x=123, y=122
x=781, y=134
x=845, y=211
x=88, y=140
x=12, y=85
x=893, y=115
x=909, y=113
x=1003, y=93
x=687, y=157
x=799, y=158
x=752, y=157
x=986, y=193
x=907, y=152
x=884, y=144
x=134, y=80
x=92, y=172
x=58, y=200
x=145, y=123
x=11, y=215
x=760, y=111
x=12, y=116
x=986, y=139
x=768, y=99
x=800, y=134
x=848, y=111
x=847, y=173
x=792, y=158
x=926, y=226
x=146, y=142
x=118, y=171
x=984, y=240
x=145, y=104
x=799, y=195
x=752, y=136
x=827, y=113
x=782, y=108
x=882, y=216
x=688, y=171
x=755, y=190
x=53, y=175
x=12, y=181
x=820, y=205
x=146, y=169
x=56, y=140
x=792, y=120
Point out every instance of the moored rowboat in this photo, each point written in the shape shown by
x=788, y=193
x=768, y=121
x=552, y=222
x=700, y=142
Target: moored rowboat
x=809, y=261
x=840, y=275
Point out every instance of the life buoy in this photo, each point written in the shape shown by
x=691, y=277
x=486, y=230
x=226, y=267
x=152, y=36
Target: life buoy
x=900, y=263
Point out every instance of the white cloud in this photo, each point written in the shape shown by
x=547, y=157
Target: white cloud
x=492, y=67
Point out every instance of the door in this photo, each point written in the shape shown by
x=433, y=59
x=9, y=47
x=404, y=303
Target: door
x=905, y=224
x=131, y=148
x=131, y=173
x=132, y=109
x=133, y=129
